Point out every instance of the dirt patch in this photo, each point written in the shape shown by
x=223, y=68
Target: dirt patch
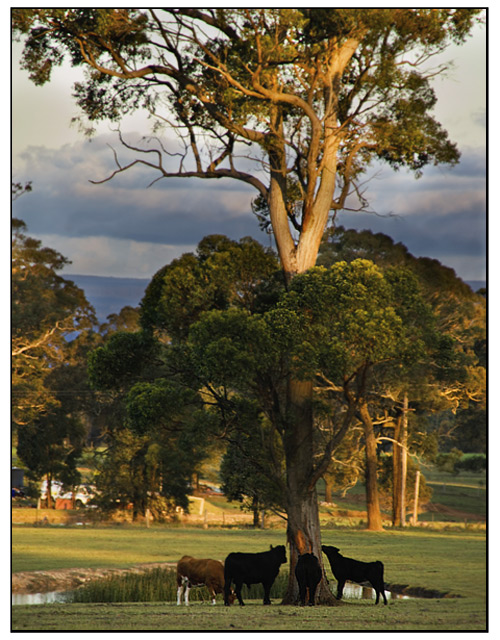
x=69, y=579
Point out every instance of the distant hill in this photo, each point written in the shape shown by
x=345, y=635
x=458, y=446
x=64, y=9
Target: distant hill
x=476, y=284
x=110, y=295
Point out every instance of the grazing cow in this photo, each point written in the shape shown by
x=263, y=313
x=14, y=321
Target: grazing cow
x=252, y=568
x=194, y=572
x=308, y=574
x=348, y=569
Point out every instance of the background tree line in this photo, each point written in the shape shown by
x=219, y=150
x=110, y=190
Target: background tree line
x=198, y=370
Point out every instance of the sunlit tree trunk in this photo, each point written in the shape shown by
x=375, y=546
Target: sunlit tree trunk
x=256, y=512
x=371, y=487
x=404, y=442
x=396, y=475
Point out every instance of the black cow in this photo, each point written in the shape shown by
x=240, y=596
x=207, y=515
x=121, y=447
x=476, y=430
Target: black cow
x=252, y=568
x=308, y=574
x=348, y=569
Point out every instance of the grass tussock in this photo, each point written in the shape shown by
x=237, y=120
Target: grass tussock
x=159, y=585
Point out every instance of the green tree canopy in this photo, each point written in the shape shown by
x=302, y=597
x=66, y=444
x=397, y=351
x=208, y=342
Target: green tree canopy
x=460, y=314
x=223, y=273
x=334, y=327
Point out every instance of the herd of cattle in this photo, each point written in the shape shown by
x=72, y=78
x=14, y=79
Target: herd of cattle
x=262, y=568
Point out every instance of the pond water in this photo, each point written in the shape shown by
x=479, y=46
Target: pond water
x=41, y=598
x=358, y=592
x=351, y=592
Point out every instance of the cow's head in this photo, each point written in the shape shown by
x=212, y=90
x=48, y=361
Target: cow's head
x=329, y=550
x=232, y=596
x=279, y=553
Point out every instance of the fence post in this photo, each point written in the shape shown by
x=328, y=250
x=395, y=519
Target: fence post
x=415, y=501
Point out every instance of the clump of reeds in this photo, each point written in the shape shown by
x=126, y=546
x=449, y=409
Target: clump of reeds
x=160, y=585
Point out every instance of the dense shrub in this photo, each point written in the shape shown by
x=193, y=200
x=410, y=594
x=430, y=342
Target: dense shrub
x=475, y=462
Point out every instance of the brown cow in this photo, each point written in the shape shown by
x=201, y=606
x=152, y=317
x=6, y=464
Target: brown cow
x=194, y=572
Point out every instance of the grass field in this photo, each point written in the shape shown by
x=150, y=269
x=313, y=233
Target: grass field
x=450, y=559
x=455, y=498
x=402, y=615
x=445, y=561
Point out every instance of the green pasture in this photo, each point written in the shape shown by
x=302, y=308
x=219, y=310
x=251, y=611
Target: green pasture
x=445, y=561
x=464, y=492
x=401, y=615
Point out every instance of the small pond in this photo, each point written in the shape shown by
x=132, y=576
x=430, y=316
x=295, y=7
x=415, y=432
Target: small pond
x=351, y=592
x=42, y=598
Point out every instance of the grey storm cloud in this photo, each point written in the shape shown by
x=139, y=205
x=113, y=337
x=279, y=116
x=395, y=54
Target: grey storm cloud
x=441, y=215
x=174, y=211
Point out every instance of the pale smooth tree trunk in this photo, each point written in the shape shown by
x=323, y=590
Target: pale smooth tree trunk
x=396, y=475
x=404, y=443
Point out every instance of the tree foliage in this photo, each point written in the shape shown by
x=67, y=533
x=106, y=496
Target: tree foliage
x=46, y=309
x=49, y=390
x=310, y=96
x=451, y=374
x=223, y=273
x=51, y=445
x=459, y=380
x=332, y=327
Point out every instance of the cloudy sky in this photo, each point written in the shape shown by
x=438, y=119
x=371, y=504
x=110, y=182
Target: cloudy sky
x=122, y=228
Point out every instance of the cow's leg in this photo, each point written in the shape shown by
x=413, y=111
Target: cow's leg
x=312, y=593
x=237, y=587
x=180, y=589
x=227, y=590
x=379, y=590
x=340, y=589
x=267, y=591
x=302, y=594
x=211, y=591
x=382, y=591
x=186, y=593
